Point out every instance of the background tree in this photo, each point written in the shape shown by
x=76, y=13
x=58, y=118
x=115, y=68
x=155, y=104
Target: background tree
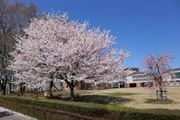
x=14, y=16
x=158, y=71
x=58, y=48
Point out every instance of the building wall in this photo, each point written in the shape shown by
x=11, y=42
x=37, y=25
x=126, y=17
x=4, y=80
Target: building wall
x=138, y=84
x=130, y=82
x=127, y=85
x=141, y=79
x=129, y=79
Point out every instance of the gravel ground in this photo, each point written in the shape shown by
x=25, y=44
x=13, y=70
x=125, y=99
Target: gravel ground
x=6, y=114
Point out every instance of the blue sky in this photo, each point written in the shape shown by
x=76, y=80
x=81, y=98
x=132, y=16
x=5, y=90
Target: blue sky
x=141, y=26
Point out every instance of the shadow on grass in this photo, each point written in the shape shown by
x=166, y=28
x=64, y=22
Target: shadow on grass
x=116, y=94
x=155, y=101
x=101, y=99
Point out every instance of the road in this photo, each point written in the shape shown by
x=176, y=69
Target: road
x=6, y=114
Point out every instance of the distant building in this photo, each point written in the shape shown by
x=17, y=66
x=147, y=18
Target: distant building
x=133, y=70
x=176, y=81
x=138, y=79
x=121, y=83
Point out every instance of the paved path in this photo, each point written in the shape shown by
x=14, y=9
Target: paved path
x=6, y=114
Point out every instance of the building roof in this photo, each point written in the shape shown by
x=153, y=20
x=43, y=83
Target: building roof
x=137, y=73
x=176, y=69
x=129, y=68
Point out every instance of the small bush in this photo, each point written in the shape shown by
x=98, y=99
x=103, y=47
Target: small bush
x=155, y=101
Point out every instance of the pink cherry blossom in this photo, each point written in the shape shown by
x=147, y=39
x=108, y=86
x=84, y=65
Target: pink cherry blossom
x=58, y=48
x=158, y=71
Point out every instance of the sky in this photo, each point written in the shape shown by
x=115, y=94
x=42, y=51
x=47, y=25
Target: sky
x=141, y=26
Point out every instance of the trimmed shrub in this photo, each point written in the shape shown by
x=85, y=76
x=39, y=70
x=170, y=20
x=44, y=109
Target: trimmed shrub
x=85, y=109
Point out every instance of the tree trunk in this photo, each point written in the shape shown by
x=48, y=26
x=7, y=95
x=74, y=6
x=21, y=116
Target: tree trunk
x=72, y=93
x=50, y=85
x=10, y=87
x=72, y=90
x=4, y=82
x=21, y=89
x=71, y=86
x=95, y=86
x=3, y=89
x=85, y=86
x=161, y=93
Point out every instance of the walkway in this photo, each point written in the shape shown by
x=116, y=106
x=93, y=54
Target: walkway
x=6, y=114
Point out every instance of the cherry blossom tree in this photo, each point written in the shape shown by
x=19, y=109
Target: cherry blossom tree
x=56, y=47
x=158, y=71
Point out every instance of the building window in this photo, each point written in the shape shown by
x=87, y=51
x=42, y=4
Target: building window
x=139, y=78
x=132, y=84
x=178, y=75
x=171, y=83
x=177, y=83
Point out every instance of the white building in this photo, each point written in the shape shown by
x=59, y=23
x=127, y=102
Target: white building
x=138, y=79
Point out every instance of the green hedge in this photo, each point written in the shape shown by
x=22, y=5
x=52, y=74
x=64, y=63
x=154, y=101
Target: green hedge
x=96, y=110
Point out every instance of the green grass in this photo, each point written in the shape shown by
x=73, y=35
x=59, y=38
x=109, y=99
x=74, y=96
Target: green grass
x=116, y=99
x=117, y=94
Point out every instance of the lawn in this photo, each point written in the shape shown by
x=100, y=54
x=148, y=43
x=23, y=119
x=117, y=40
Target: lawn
x=131, y=97
x=142, y=98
